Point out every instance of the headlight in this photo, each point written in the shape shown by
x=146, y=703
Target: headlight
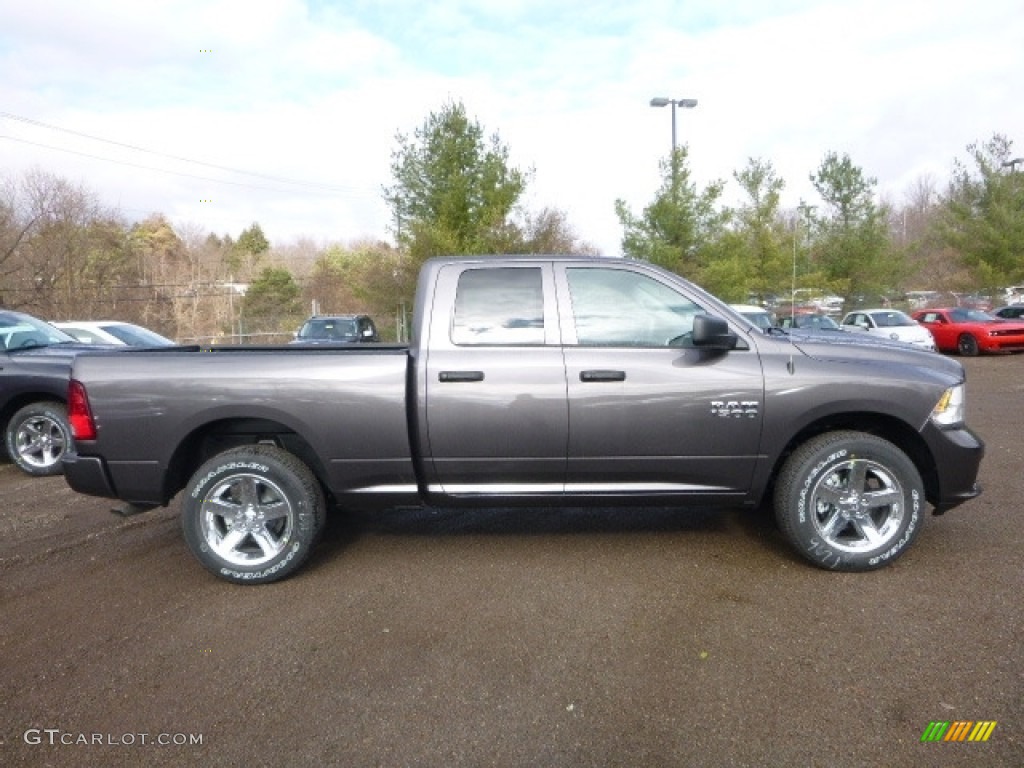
x=949, y=411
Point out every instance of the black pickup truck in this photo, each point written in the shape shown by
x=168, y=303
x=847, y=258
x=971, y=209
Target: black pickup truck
x=35, y=364
x=529, y=381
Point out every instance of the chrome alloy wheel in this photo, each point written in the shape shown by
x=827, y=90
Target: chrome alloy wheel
x=857, y=506
x=40, y=442
x=247, y=519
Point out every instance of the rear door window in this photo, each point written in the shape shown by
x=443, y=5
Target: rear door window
x=503, y=306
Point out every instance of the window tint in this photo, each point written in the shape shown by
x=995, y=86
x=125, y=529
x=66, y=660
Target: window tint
x=328, y=328
x=135, y=336
x=499, y=306
x=84, y=335
x=613, y=307
x=892, y=319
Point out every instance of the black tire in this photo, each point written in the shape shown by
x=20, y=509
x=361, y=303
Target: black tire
x=967, y=345
x=37, y=437
x=849, y=501
x=253, y=514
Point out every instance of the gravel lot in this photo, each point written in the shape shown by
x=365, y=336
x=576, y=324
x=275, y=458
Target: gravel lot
x=516, y=638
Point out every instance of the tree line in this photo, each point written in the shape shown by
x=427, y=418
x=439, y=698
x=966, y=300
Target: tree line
x=64, y=255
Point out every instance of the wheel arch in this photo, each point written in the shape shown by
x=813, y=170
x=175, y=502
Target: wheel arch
x=215, y=437
x=22, y=399
x=890, y=428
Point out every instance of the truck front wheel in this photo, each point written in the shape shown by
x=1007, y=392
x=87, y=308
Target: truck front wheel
x=849, y=501
x=253, y=514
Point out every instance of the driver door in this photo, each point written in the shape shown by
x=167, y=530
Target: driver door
x=649, y=413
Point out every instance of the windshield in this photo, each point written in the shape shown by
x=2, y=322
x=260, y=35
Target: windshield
x=329, y=328
x=814, y=322
x=892, y=319
x=21, y=331
x=962, y=315
x=137, y=336
x=761, y=319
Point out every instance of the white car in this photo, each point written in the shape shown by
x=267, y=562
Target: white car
x=889, y=324
x=759, y=316
x=113, y=332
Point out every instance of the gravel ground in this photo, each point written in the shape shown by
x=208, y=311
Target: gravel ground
x=516, y=638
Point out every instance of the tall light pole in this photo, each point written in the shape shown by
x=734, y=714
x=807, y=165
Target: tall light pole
x=1012, y=164
x=661, y=101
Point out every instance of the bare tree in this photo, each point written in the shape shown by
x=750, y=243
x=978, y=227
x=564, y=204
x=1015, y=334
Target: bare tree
x=47, y=234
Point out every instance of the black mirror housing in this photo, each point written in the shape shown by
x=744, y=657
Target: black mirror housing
x=711, y=332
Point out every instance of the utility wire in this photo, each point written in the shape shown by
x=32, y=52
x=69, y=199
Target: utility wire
x=350, y=192
x=279, y=179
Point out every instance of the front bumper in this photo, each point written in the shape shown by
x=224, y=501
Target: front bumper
x=957, y=454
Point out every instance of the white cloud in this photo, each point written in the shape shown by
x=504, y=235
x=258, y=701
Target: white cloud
x=316, y=91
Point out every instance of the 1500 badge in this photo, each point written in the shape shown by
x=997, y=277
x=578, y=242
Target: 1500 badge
x=735, y=408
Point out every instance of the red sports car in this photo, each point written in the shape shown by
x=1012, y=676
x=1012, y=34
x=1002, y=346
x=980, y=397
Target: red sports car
x=970, y=331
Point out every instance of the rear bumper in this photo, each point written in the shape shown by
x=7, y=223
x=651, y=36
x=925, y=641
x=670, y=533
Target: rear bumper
x=138, y=482
x=87, y=474
x=957, y=454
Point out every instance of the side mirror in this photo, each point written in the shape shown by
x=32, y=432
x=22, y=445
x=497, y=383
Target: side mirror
x=711, y=332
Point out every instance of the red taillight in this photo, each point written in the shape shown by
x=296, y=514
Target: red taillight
x=79, y=412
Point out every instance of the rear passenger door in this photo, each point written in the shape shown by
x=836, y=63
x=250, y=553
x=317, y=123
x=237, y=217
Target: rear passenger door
x=494, y=390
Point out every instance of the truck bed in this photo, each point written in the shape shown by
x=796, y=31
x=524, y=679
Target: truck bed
x=342, y=407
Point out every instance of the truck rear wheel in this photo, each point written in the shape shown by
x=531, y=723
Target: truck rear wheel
x=253, y=514
x=37, y=437
x=849, y=501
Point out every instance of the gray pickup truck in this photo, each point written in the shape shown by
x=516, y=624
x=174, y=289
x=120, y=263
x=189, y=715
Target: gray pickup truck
x=538, y=381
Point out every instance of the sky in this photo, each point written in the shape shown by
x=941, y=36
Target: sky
x=219, y=113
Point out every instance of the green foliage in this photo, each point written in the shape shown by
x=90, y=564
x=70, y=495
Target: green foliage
x=453, y=190
x=852, y=238
x=369, y=278
x=983, y=214
x=675, y=231
x=273, y=302
x=245, y=253
x=766, y=248
x=727, y=270
x=252, y=241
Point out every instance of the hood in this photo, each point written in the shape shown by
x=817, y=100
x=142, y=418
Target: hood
x=863, y=347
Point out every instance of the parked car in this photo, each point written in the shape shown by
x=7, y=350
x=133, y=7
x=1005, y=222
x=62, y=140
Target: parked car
x=1011, y=312
x=1014, y=294
x=35, y=365
x=921, y=299
x=819, y=302
x=810, y=322
x=973, y=301
x=337, y=329
x=889, y=324
x=759, y=316
x=113, y=332
x=971, y=331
